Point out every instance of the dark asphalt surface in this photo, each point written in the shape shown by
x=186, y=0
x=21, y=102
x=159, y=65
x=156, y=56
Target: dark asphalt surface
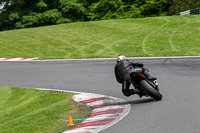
x=179, y=81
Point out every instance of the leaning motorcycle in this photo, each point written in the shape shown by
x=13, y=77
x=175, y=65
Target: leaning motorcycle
x=145, y=86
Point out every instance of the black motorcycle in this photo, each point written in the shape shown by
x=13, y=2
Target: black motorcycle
x=145, y=86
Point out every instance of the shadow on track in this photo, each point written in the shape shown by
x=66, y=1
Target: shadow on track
x=139, y=101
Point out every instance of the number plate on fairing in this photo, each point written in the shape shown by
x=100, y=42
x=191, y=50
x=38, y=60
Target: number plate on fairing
x=155, y=82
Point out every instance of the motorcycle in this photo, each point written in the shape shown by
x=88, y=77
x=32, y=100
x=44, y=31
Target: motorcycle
x=145, y=86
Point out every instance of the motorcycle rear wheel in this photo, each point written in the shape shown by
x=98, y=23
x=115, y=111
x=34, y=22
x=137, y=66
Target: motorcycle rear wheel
x=150, y=90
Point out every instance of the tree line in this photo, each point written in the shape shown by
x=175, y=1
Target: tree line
x=17, y=14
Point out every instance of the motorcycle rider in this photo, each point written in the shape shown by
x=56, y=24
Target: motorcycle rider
x=123, y=70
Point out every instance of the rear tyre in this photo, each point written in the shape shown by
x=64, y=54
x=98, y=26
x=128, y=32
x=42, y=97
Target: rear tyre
x=150, y=90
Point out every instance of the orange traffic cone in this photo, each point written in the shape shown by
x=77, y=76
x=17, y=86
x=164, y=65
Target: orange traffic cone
x=70, y=122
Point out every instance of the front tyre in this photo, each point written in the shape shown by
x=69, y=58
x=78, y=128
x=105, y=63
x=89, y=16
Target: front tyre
x=150, y=90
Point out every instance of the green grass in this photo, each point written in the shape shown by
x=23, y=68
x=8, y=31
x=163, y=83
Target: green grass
x=154, y=36
x=25, y=110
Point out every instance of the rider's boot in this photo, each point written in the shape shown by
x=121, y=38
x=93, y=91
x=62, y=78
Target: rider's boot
x=136, y=91
x=133, y=92
x=127, y=93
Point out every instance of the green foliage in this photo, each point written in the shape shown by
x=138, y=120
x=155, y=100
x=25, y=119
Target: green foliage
x=51, y=16
x=154, y=8
x=25, y=13
x=73, y=10
x=127, y=9
x=105, y=9
x=32, y=13
x=41, y=5
x=13, y=16
x=176, y=6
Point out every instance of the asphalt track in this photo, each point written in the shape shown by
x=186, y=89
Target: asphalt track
x=179, y=81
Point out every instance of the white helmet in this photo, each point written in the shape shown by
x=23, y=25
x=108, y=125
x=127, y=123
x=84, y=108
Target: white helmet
x=120, y=58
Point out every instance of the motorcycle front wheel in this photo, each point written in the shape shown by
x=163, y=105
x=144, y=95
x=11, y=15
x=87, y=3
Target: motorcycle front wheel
x=150, y=90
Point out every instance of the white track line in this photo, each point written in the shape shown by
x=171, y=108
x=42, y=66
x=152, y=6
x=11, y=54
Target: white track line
x=103, y=59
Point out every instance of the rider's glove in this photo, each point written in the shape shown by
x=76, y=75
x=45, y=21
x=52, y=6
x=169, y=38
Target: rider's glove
x=140, y=64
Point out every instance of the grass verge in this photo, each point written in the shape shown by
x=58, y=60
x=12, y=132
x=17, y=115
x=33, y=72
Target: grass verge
x=34, y=111
x=154, y=36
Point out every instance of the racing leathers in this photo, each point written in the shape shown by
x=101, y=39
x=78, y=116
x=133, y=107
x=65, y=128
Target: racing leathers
x=123, y=69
